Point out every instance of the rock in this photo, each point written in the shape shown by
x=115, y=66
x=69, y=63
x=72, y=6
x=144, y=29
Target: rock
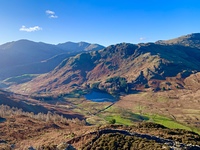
x=65, y=146
x=12, y=146
x=3, y=141
x=31, y=148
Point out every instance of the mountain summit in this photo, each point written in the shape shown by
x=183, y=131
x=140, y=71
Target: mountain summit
x=24, y=52
x=81, y=46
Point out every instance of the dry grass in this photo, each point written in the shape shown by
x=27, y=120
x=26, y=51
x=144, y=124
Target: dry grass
x=25, y=132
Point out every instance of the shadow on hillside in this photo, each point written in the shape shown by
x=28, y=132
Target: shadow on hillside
x=135, y=92
x=2, y=120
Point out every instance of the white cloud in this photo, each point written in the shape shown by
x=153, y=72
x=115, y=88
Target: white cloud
x=142, y=38
x=51, y=14
x=30, y=29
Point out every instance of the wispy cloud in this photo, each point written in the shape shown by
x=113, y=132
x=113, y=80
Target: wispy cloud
x=51, y=14
x=30, y=29
x=142, y=39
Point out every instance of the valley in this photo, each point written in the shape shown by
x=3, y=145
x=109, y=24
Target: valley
x=146, y=88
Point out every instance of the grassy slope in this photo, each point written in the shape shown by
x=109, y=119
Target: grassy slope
x=100, y=113
x=125, y=119
x=170, y=123
x=20, y=79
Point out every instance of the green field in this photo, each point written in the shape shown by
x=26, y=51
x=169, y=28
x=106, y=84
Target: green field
x=105, y=112
x=122, y=116
x=119, y=120
x=170, y=123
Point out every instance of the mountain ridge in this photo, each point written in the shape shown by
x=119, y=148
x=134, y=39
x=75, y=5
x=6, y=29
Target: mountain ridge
x=79, y=46
x=191, y=40
x=81, y=43
x=124, y=62
x=27, y=57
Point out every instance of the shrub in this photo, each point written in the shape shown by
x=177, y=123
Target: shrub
x=163, y=88
x=119, y=84
x=112, y=121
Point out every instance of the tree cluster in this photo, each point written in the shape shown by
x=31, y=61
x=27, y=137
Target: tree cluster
x=6, y=111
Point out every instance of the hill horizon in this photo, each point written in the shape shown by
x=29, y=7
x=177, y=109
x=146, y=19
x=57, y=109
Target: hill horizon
x=82, y=41
x=27, y=40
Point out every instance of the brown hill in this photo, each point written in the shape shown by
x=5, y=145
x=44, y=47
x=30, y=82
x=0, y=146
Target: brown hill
x=192, y=40
x=24, y=131
x=28, y=104
x=120, y=67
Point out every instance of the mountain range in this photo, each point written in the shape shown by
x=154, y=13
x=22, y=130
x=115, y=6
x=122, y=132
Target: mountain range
x=124, y=67
x=28, y=57
x=154, y=86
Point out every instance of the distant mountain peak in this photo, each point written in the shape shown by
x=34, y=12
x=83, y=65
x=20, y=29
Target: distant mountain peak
x=25, y=56
x=80, y=46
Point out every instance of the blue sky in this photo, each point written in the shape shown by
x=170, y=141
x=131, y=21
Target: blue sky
x=97, y=21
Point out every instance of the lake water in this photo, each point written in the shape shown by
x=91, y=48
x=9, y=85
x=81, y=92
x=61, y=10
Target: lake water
x=100, y=97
